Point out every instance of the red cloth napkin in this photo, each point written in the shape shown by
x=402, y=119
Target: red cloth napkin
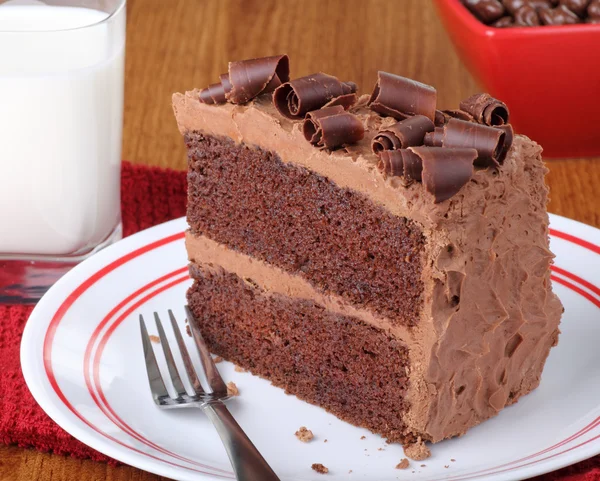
x=149, y=196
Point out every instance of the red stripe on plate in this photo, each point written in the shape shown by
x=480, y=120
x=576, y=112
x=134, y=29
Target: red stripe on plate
x=575, y=240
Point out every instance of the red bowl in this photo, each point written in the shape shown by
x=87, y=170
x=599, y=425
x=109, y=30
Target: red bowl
x=548, y=76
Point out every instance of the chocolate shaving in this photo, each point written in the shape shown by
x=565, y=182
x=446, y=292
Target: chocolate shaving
x=213, y=94
x=332, y=127
x=485, y=109
x=458, y=114
x=247, y=79
x=296, y=98
x=346, y=101
x=435, y=138
x=402, y=134
x=391, y=162
x=250, y=78
x=488, y=141
x=402, y=163
x=509, y=136
x=225, y=83
x=445, y=171
x=400, y=97
x=440, y=118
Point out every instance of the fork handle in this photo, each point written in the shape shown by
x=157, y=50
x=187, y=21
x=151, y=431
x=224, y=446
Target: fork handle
x=247, y=462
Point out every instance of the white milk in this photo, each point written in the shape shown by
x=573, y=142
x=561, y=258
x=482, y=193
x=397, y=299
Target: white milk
x=61, y=109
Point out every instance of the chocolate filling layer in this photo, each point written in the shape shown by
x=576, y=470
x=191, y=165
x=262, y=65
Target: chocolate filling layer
x=351, y=369
x=290, y=217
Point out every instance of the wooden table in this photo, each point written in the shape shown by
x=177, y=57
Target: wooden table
x=176, y=45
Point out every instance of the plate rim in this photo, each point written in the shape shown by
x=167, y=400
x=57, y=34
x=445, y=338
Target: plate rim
x=140, y=240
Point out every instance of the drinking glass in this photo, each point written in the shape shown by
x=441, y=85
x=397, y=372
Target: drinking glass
x=61, y=122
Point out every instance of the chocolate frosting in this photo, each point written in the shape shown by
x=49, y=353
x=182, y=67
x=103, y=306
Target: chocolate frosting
x=331, y=127
x=485, y=109
x=488, y=141
x=401, y=97
x=489, y=315
x=403, y=134
x=296, y=98
x=445, y=171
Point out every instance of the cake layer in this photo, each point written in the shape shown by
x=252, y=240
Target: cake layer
x=296, y=219
x=355, y=371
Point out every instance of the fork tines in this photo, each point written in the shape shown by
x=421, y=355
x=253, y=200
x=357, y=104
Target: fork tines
x=160, y=394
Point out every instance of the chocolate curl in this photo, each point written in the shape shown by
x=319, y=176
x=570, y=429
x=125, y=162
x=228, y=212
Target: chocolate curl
x=485, y=109
x=296, y=98
x=332, y=127
x=445, y=171
x=225, y=83
x=401, y=163
x=435, y=138
x=402, y=134
x=487, y=11
x=216, y=93
x=346, y=101
x=213, y=94
x=391, y=163
x=401, y=98
x=250, y=78
x=440, y=118
x=458, y=114
x=509, y=136
x=488, y=141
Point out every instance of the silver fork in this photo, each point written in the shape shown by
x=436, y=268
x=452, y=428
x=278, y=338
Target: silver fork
x=247, y=462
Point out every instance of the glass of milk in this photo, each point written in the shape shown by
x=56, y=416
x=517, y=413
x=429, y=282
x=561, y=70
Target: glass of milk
x=61, y=120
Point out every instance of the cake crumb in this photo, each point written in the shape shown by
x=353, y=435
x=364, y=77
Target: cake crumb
x=239, y=368
x=325, y=440
x=218, y=359
x=380, y=449
x=350, y=471
x=304, y=435
x=417, y=450
x=446, y=466
x=154, y=339
x=232, y=389
x=363, y=437
x=188, y=331
x=452, y=459
x=319, y=468
x=423, y=465
x=403, y=464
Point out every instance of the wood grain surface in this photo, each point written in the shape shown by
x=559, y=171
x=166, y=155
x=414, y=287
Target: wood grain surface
x=176, y=45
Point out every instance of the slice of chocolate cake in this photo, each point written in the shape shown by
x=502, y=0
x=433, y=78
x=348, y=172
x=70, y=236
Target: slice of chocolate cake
x=372, y=255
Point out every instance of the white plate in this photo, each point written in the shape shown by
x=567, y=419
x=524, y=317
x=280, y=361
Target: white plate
x=82, y=360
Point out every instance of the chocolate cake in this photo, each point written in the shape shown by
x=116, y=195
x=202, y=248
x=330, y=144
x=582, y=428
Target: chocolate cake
x=371, y=254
